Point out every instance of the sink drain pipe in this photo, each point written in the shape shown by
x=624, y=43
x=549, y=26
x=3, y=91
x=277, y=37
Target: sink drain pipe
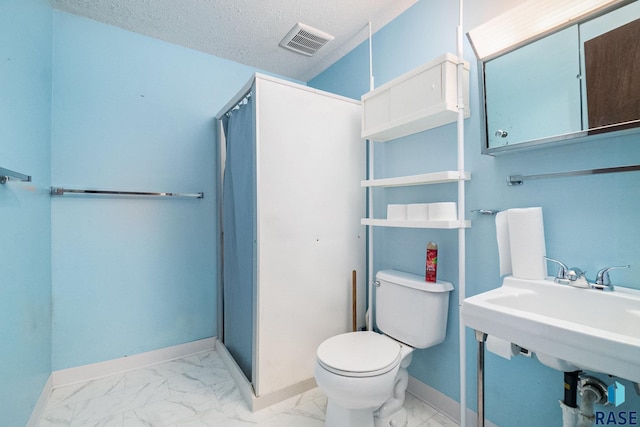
x=592, y=391
x=571, y=388
x=570, y=403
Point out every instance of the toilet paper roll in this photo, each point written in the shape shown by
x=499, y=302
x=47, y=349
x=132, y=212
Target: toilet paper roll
x=502, y=348
x=443, y=211
x=397, y=212
x=418, y=212
x=504, y=247
x=526, y=240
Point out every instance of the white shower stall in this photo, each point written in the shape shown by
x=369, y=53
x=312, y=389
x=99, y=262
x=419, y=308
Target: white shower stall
x=291, y=204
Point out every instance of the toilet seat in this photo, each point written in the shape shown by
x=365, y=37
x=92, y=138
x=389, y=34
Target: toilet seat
x=359, y=354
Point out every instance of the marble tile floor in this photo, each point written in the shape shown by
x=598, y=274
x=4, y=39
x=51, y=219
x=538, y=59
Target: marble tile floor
x=194, y=391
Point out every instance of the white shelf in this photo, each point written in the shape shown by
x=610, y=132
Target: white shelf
x=415, y=224
x=422, y=179
x=421, y=99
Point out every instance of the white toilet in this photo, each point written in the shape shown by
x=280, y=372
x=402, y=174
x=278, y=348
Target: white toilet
x=364, y=374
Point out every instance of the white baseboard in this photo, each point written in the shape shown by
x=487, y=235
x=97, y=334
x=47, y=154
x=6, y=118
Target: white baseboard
x=257, y=403
x=443, y=403
x=41, y=404
x=124, y=364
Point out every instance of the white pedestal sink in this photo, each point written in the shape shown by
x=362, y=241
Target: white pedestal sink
x=568, y=327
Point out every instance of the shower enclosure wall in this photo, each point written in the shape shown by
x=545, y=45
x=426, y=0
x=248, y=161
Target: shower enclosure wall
x=292, y=202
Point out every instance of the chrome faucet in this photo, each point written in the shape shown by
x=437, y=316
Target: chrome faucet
x=569, y=276
x=577, y=278
x=561, y=275
x=603, y=282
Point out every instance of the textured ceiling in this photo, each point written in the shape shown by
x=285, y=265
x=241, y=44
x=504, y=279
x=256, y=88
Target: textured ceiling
x=247, y=31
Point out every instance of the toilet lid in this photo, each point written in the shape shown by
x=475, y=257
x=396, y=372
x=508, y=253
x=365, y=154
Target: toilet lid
x=359, y=354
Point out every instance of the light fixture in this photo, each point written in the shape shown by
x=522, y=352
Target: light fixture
x=529, y=21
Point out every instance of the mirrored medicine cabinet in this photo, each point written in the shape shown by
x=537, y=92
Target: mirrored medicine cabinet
x=577, y=83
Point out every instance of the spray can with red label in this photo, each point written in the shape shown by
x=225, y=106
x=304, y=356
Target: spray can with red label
x=432, y=262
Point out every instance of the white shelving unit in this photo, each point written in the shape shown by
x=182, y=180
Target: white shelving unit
x=421, y=99
x=432, y=95
x=411, y=180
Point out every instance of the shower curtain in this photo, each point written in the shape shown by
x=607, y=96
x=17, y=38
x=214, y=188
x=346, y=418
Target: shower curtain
x=239, y=224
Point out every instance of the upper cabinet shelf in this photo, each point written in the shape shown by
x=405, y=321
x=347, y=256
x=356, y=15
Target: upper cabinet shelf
x=422, y=179
x=421, y=99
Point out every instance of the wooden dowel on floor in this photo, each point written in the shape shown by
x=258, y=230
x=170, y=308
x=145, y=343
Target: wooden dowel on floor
x=353, y=301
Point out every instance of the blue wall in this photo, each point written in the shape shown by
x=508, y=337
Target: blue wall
x=25, y=231
x=88, y=279
x=590, y=222
x=130, y=275
x=133, y=113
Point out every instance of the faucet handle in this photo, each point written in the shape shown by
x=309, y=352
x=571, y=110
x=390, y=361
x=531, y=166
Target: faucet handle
x=561, y=275
x=602, y=277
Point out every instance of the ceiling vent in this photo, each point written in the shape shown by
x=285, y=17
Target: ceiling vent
x=305, y=39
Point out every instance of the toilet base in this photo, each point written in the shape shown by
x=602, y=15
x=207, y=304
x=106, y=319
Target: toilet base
x=337, y=416
x=397, y=419
x=392, y=412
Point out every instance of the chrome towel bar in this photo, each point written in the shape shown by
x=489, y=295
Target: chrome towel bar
x=486, y=211
x=59, y=191
x=519, y=179
x=7, y=175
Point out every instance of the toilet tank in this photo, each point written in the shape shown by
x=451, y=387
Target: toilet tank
x=411, y=310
